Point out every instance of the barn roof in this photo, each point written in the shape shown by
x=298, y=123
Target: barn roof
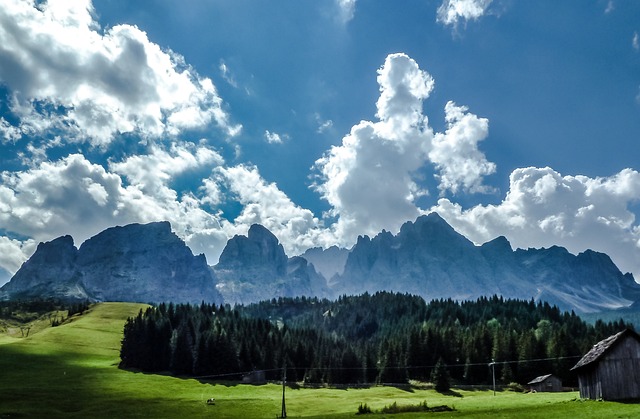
x=539, y=379
x=600, y=348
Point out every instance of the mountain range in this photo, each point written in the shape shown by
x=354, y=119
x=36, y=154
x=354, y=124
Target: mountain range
x=149, y=263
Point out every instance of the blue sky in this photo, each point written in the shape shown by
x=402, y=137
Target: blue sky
x=321, y=120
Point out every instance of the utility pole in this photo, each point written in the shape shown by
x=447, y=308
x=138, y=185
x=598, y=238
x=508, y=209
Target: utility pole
x=283, y=414
x=493, y=370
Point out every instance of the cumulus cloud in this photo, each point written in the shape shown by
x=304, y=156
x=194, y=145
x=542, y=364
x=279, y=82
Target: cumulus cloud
x=455, y=152
x=152, y=172
x=452, y=12
x=635, y=42
x=369, y=180
x=77, y=197
x=264, y=203
x=68, y=74
x=544, y=208
x=13, y=253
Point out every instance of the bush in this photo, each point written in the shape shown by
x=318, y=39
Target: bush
x=363, y=409
x=518, y=388
x=394, y=408
x=420, y=407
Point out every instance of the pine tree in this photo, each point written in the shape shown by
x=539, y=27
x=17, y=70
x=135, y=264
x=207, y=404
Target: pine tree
x=440, y=377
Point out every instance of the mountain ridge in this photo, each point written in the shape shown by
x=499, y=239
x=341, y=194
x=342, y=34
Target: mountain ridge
x=427, y=257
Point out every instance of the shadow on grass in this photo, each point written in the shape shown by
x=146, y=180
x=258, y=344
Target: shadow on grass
x=451, y=392
x=42, y=385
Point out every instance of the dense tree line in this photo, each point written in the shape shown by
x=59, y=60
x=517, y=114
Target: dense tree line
x=30, y=309
x=384, y=337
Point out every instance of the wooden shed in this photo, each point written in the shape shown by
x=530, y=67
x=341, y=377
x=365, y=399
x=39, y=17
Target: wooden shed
x=547, y=382
x=611, y=369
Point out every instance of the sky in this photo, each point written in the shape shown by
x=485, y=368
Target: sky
x=321, y=120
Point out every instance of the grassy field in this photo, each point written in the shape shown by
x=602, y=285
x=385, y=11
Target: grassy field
x=72, y=371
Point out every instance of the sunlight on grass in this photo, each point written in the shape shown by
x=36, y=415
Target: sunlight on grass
x=72, y=371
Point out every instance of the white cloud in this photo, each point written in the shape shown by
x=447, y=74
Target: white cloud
x=369, y=179
x=635, y=42
x=274, y=138
x=13, y=253
x=226, y=74
x=324, y=126
x=66, y=73
x=74, y=196
x=346, y=10
x=9, y=133
x=455, y=153
x=151, y=172
x=544, y=208
x=451, y=12
x=610, y=7
x=263, y=203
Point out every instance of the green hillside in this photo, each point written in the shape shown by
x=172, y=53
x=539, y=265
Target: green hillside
x=72, y=371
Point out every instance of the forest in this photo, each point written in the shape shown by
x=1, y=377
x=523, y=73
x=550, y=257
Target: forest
x=355, y=340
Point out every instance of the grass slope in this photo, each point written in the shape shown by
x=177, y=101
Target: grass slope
x=72, y=371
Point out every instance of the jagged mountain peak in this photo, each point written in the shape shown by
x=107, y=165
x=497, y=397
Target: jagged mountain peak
x=255, y=267
x=499, y=244
x=259, y=248
x=136, y=262
x=431, y=229
x=258, y=232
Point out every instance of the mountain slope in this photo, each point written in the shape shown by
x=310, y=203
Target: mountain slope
x=430, y=259
x=138, y=263
x=255, y=267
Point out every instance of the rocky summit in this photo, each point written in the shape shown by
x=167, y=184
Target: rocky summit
x=427, y=257
x=144, y=263
x=255, y=267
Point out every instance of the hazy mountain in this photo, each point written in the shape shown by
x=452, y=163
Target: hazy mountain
x=328, y=262
x=146, y=263
x=429, y=258
x=255, y=267
x=426, y=258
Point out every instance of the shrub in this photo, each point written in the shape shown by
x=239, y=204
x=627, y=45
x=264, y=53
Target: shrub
x=518, y=388
x=420, y=407
x=363, y=409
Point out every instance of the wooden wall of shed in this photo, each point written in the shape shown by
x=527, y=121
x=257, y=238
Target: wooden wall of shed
x=552, y=383
x=616, y=375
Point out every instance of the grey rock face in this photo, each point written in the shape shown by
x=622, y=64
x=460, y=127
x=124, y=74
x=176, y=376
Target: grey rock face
x=143, y=263
x=149, y=263
x=50, y=271
x=255, y=267
x=430, y=259
x=146, y=263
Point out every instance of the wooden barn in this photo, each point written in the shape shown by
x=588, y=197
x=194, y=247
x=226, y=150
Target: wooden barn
x=611, y=369
x=547, y=383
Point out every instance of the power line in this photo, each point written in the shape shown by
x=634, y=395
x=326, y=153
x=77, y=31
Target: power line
x=333, y=368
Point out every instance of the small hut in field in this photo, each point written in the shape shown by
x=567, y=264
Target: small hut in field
x=611, y=369
x=547, y=383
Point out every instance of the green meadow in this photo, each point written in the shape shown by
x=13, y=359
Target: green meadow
x=72, y=371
